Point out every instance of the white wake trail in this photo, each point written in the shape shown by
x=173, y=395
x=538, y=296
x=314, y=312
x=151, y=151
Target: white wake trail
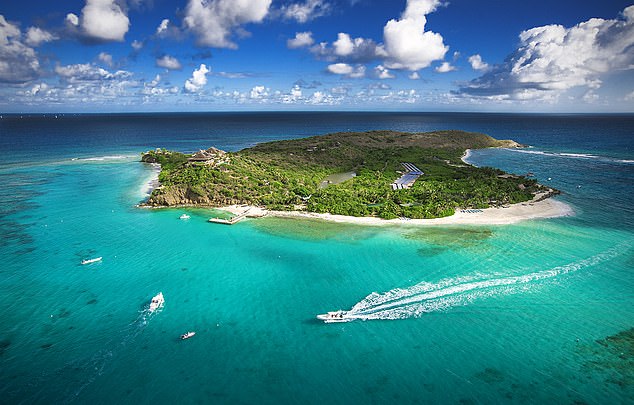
x=427, y=297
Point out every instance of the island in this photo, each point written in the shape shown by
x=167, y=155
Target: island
x=377, y=174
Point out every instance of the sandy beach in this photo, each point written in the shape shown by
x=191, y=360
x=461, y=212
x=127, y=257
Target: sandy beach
x=546, y=208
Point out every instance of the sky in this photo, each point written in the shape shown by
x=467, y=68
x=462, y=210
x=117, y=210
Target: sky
x=303, y=55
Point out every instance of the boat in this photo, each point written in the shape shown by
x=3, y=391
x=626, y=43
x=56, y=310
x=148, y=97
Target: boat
x=157, y=302
x=184, y=216
x=88, y=261
x=334, y=316
x=187, y=335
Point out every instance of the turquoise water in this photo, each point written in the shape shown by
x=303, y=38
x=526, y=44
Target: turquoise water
x=490, y=314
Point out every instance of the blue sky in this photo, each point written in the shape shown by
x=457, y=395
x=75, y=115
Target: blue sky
x=234, y=55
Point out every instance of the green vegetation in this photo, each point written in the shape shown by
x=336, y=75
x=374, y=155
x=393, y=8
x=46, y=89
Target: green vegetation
x=285, y=175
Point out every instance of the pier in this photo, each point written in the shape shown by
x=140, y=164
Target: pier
x=232, y=220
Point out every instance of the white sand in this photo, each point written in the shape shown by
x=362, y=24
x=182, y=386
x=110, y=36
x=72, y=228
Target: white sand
x=548, y=208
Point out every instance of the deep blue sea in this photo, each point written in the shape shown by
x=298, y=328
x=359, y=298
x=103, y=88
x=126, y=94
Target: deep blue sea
x=537, y=312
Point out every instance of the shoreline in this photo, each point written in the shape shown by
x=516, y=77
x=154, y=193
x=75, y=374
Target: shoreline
x=540, y=207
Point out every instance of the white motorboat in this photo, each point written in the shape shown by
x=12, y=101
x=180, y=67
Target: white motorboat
x=187, y=335
x=88, y=261
x=184, y=216
x=157, y=302
x=334, y=316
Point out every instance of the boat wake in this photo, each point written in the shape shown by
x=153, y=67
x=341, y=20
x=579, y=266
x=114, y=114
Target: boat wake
x=426, y=297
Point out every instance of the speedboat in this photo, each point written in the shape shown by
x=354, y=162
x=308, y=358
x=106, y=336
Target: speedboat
x=334, y=316
x=187, y=335
x=88, y=261
x=184, y=216
x=157, y=302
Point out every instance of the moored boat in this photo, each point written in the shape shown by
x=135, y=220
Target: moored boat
x=157, y=302
x=88, y=261
x=184, y=216
x=187, y=335
x=334, y=316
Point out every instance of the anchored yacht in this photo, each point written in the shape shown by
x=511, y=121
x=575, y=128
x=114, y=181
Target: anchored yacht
x=187, y=335
x=334, y=316
x=88, y=261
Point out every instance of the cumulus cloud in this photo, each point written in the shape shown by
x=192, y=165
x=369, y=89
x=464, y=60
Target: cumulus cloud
x=302, y=39
x=344, y=69
x=82, y=83
x=259, y=92
x=445, y=67
x=18, y=62
x=72, y=19
x=347, y=49
x=36, y=36
x=105, y=58
x=137, y=45
x=552, y=59
x=414, y=76
x=214, y=21
x=382, y=72
x=86, y=72
x=303, y=12
x=168, y=62
x=477, y=63
x=198, y=79
x=102, y=20
x=162, y=26
x=407, y=44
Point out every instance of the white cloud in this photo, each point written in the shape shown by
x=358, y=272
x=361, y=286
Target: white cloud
x=343, y=46
x=630, y=95
x=382, y=72
x=340, y=68
x=303, y=12
x=103, y=20
x=259, y=92
x=477, y=63
x=105, y=58
x=198, y=79
x=445, y=67
x=18, y=62
x=72, y=19
x=162, y=26
x=137, y=45
x=36, y=36
x=302, y=39
x=552, y=59
x=214, y=21
x=168, y=62
x=86, y=72
x=346, y=49
x=345, y=69
x=407, y=44
x=414, y=76
x=233, y=75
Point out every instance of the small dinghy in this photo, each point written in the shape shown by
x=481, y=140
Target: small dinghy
x=184, y=216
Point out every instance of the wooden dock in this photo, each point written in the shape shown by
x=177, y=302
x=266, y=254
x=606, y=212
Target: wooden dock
x=231, y=221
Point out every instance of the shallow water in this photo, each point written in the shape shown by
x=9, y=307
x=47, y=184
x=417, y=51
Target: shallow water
x=517, y=313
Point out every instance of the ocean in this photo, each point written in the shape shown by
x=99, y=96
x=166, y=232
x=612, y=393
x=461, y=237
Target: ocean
x=537, y=312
